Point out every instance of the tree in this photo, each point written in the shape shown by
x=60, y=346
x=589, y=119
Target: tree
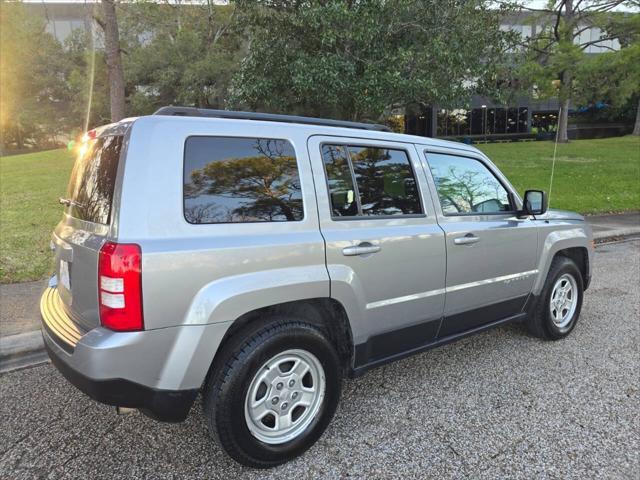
x=611, y=78
x=88, y=82
x=33, y=71
x=626, y=84
x=179, y=54
x=557, y=52
x=109, y=24
x=359, y=60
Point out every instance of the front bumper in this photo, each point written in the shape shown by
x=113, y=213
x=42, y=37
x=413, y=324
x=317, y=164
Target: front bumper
x=158, y=371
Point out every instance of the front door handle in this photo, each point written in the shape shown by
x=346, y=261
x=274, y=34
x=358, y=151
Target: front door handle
x=362, y=249
x=468, y=239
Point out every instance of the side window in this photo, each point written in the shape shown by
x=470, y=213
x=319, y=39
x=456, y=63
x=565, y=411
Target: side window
x=370, y=181
x=235, y=180
x=466, y=185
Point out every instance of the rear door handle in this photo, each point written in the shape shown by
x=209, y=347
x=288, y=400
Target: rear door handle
x=468, y=239
x=362, y=249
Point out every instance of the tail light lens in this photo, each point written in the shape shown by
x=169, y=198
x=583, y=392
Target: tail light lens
x=120, y=286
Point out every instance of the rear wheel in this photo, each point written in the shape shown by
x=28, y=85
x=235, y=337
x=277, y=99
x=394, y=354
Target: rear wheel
x=274, y=394
x=560, y=301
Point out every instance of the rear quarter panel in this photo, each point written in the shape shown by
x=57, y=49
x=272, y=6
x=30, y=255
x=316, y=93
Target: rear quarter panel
x=200, y=274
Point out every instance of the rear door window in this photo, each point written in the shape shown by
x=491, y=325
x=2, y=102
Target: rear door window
x=93, y=179
x=370, y=181
x=239, y=180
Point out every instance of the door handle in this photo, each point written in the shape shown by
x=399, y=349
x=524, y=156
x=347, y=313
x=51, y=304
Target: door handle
x=362, y=249
x=468, y=239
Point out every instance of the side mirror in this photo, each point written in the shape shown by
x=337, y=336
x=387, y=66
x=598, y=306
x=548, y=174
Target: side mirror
x=535, y=202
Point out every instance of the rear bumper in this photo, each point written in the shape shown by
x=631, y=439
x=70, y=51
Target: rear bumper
x=163, y=405
x=158, y=371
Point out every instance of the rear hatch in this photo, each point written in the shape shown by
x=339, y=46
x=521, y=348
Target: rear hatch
x=86, y=224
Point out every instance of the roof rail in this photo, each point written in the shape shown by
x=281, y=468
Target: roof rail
x=267, y=117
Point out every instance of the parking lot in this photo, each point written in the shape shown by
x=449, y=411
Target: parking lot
x=499, y=404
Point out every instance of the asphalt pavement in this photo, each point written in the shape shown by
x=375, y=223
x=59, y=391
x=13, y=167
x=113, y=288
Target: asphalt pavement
x=499, y=404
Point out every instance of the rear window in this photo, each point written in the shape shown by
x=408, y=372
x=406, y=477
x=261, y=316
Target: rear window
x=238, y=180
x=93, y=179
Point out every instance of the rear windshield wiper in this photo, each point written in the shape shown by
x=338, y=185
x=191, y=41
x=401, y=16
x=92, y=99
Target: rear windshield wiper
x=68, y=202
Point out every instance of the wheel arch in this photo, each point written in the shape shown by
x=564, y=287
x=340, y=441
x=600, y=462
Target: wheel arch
x=580, y=256
x=574, y=244
x=328, y=314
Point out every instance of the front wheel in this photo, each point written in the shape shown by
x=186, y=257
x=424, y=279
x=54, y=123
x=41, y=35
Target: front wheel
x=275, y=393
x=560, y=301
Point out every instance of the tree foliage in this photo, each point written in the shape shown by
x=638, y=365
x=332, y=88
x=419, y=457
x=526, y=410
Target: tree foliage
x=350, y=59
x=33, y=74
x=179, y=54
x=172, y=53
x=358, y=60
x=88, y=82
x=613, y=78
x=557, y=62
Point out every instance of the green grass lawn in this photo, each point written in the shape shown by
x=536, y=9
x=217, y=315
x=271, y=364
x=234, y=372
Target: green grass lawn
x=30, y=186
x=591, y=176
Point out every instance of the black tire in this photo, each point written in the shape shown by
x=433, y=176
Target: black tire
x=226, y=389
x=540, y=323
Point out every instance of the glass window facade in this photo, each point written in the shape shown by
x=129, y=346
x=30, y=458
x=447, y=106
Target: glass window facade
x=482, y=121
x=523, y=122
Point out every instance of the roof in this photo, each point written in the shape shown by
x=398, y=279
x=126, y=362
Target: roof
x=380, y=132
x=268, y=117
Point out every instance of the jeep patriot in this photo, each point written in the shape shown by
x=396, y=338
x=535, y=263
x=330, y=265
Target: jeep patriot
x=258, y=259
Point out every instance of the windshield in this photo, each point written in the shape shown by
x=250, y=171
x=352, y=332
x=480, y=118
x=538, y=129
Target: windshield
x=93, y=179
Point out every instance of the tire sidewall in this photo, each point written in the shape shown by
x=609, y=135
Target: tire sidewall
x=566, y=266
x=297, y=336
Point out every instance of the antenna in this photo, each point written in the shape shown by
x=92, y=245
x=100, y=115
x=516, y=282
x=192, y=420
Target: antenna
x=553, y=163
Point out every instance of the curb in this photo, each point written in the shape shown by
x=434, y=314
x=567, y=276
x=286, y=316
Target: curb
x=20, y=344
x=600, y=237
x=21, y=350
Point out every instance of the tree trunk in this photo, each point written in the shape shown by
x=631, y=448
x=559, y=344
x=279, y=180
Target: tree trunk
x=565, y=35
x=19, y=144
x=114, y=60
x=563, y=123
x=636, y=128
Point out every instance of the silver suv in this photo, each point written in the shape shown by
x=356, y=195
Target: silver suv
x=257, y=259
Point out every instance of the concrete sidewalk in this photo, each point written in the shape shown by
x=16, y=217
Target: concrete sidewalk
x=608, y=226
x=19, y=302
x=20, y=338
x=19, y=306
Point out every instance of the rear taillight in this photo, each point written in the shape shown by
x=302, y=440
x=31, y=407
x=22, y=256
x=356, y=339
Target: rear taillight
x=120, y=286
